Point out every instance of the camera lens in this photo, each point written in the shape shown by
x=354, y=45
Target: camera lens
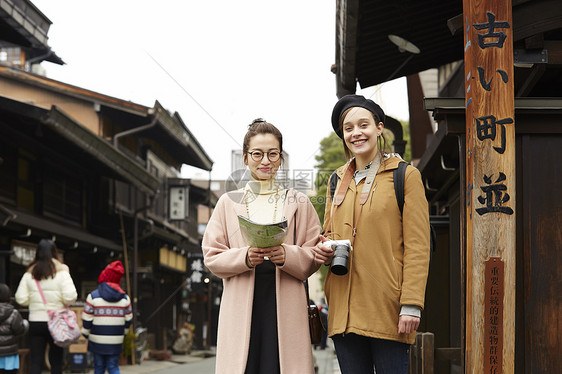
x=339, y=262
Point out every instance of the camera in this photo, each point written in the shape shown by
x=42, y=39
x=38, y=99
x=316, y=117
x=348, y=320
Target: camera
x=341, y=255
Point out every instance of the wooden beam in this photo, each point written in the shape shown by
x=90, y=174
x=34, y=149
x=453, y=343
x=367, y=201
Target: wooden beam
x=447, y=354
x=490, y=187
x=554, y=49
x=529, y=19
x=536, y=17
x=532, y=79
x=428, y=354
x=455, y=25
x=347, y=19
x=535, y=41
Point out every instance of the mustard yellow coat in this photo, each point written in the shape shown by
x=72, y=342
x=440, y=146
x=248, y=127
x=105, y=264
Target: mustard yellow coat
x=390, y=261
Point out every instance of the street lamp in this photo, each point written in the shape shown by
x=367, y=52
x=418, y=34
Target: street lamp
x=403, y=46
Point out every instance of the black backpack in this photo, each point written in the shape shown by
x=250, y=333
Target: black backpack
x=399, y=175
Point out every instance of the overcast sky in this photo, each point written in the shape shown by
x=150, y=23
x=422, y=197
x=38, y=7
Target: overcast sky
x=219, y=64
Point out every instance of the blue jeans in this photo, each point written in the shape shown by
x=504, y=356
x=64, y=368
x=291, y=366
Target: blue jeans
x=103, y=362
x=359, y=355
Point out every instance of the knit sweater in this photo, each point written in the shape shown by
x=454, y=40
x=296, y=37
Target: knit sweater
x=265, y=200
x=107, y=314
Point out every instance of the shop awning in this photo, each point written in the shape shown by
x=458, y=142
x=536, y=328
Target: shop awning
x=64, y=232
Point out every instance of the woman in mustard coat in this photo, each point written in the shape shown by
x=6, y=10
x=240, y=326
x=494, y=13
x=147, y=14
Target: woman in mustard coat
x=375, y=308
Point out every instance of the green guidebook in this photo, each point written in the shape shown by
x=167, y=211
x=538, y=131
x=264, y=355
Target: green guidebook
x=263, y=235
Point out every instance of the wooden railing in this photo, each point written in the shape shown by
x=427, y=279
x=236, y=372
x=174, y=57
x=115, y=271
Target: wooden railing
x=423, y=354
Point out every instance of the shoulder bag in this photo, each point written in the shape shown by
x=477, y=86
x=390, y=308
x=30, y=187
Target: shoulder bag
x=62, y=324
x=315, y=324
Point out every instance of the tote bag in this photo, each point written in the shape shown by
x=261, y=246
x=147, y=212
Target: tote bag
x=62, y=324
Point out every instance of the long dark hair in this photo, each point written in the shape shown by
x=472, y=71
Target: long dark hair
x=43, y=266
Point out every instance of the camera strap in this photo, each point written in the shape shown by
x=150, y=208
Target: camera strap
x=365, y=192
x=347, y=177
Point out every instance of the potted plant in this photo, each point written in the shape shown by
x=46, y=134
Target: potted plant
x=129, y=344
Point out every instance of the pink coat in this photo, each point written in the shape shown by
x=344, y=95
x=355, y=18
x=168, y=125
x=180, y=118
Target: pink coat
x=225, y=255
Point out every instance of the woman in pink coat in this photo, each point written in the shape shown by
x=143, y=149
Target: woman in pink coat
x=263, y=322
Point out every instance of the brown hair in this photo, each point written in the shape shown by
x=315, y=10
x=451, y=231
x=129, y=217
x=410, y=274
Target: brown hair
x=381, y=141
x=43, y=267
x=261, y=126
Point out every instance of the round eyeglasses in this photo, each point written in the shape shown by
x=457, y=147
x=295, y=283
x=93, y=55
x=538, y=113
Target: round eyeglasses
x=271, y=155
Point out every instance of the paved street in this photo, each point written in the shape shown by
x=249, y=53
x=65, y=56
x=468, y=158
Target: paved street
x=326, y=361
x=197, y=363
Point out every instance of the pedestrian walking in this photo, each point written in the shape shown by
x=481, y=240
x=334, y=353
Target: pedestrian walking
x=59, y=291
x=12, y=326
x=107, y=314
x=263, y=321
x=376, y=289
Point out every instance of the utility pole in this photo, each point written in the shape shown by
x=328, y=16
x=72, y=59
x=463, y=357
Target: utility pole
x=126, y=259
x=490, y=187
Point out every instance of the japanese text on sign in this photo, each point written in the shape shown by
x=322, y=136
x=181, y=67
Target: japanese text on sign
x=488, y=126
x=493, y=315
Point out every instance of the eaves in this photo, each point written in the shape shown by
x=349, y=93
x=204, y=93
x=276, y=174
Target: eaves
x=102, y=150
x=51, y=85
x=188, y=149
x=97, y=149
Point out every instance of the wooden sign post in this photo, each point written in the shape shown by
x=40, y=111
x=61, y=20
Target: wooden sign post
x=490, y=187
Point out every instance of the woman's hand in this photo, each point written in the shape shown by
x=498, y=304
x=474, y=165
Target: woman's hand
x=256, y=256
x=276, y=255
x=323, y=254
x=407, y=324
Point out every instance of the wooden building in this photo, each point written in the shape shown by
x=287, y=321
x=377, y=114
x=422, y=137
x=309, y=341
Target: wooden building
x=96, y=174
x=365, y=55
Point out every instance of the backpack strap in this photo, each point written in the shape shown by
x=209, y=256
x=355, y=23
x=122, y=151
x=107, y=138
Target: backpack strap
x=399, y=177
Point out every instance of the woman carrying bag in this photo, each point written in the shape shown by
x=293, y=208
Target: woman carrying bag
x=263, y=321
x=376, y=287
x=59, y=292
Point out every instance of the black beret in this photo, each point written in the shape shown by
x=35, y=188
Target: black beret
x=349, y=101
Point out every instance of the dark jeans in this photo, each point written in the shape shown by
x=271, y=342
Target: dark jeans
x=39, y=337
x=359, y=355
x=103, y=362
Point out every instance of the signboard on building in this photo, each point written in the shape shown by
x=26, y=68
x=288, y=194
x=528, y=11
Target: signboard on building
x=196, y=272
x=22, y=252
x=172, y=260
x=178, y=203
